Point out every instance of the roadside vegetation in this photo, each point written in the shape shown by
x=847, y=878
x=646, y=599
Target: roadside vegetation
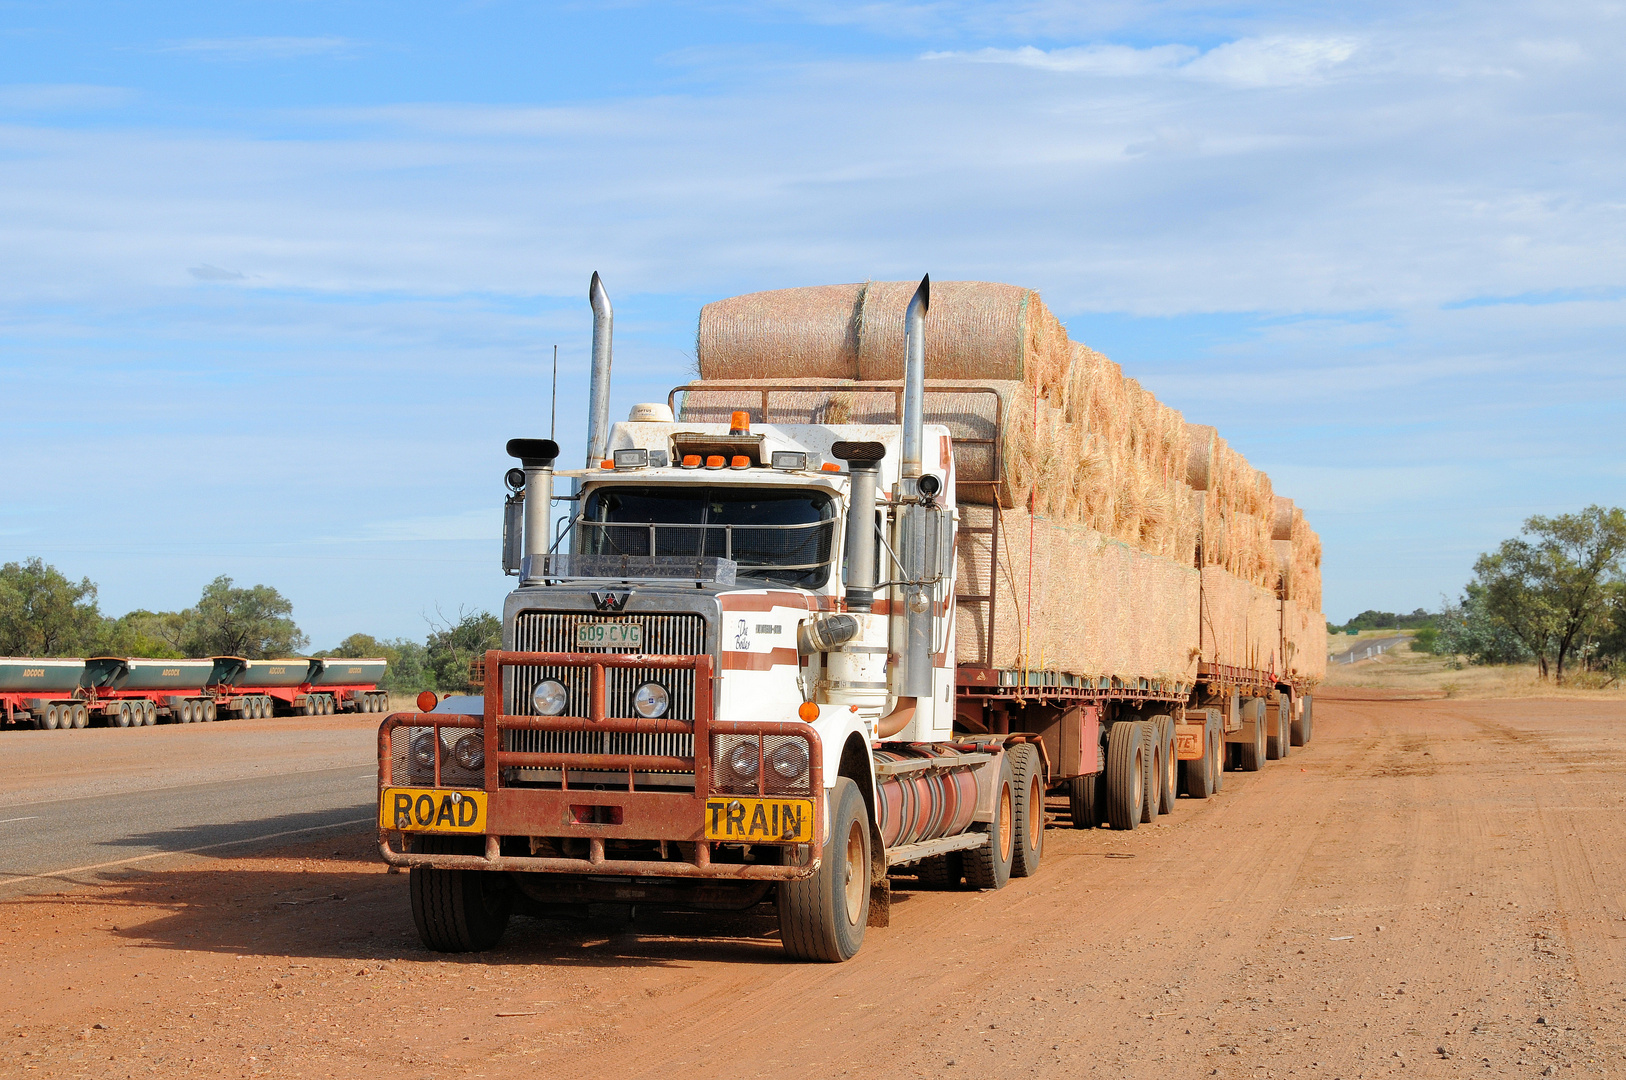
x=45, y=613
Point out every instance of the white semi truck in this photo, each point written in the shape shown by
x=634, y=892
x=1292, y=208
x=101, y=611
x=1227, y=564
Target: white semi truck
x=730, y=679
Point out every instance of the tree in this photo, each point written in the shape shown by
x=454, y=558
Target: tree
x=408, y=670
x=42, y=613
x=1550, y=586
x=140, y=633
x=1467, y=629
x=254, y=623
x=452, y=645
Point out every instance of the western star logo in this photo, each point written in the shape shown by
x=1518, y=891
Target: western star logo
x=609, y=601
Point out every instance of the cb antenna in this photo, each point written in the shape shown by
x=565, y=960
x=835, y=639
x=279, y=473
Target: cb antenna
x=553, y=421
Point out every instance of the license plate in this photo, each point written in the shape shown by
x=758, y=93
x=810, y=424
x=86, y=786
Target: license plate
x=759, y=821
x=609, y=635
x=432, y=810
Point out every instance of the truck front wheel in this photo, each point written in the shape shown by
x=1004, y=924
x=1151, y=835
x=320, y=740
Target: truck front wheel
x=458, y=910
x=1027, y=818
x=822, y=917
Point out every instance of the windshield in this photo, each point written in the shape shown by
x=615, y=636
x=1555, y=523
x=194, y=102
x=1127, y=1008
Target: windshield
x=782, y=536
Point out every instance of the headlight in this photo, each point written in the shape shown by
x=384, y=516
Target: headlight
x=742, y=761
x=651, y=700
x=789, y=760
x=470, y=752
x=423, y=750
x=550, y=697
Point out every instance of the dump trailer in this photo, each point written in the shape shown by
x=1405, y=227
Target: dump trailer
x=794, y=636
x=118, y=691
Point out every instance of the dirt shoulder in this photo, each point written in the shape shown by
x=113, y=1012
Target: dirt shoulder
x=1432, y=888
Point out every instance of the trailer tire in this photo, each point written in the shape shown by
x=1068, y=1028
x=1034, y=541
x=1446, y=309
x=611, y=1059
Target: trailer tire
x=1216, y=759
x=1276, y=745
x=1198, y=773
x=1301, y=724
x=457, y=910
x=1169, y=779
x=940, y=871
x=1085, y=800
x=1027, y=819
x=81, y=716
x=1153, y=782
x=210, y=712
x=1250, y=756
x=822, y=917
x=1126, y=774
x=118, y=717
x=989, y=867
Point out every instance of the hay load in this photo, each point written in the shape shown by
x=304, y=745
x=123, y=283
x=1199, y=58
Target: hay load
x=1122, y=504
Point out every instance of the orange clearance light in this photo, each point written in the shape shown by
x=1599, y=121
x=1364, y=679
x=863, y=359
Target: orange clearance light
x=740, y=462
x=830, y=466
x=691, y=461
x=740, y=423
x=715, y=461
x=808, y=711
x=607, y=463
x=427, y=701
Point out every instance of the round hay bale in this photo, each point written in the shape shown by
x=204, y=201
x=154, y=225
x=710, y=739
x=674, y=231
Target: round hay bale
x=808, y=333
x=1201, y=456
x=1282, y=527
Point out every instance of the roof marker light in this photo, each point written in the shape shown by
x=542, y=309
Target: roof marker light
x=691, y=461
x=715, y=461
x=740, y=462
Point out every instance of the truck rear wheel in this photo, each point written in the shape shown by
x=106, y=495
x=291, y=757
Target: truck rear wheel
x=940, y=871
x=1250, y=756
x=1126, y=774
x=1170, y=777
x=1301, y=724
x=1027, y=818
x=989, y=867
x=1152, y=772
x=822, y=917
x=458, y=910
x=1085, y=800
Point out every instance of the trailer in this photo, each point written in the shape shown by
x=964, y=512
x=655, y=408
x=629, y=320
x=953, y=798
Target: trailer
x=117, y=691
x=779, y=658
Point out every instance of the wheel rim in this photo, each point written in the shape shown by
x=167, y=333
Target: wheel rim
x=1035, y=813
x=853, y=887
x=1006, y=830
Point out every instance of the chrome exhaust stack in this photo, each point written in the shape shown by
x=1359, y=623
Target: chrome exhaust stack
x=864, y=470
x=598, y=405
x=914, y=379
x=918, y=523
x=536, y=458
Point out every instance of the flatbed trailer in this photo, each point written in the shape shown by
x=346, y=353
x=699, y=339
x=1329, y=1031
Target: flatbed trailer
x=721, y=686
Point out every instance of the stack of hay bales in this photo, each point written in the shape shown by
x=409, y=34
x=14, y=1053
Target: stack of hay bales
x=1132, y=573
x=1304, y=629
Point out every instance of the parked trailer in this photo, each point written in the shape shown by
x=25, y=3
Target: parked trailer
x=726, y=686
x=121, y=691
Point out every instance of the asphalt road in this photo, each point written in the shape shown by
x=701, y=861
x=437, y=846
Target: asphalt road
x=51, y=844
x=1371, y=645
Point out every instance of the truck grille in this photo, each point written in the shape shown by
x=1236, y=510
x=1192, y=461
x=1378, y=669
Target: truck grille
x=546, y=631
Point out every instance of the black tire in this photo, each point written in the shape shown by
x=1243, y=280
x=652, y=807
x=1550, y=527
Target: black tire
x=1198, y=773
x=81, y=716
x=1028, y=786
x=1086, y=797
x=1302, y=724
x=1152, y=784
x=1126, y=774
x=1277, y=742
x=1216, y=759
x=458, y=910
x=940, y=871
x=822, y=917
x=989, y=867
x=121, y=716
x=1170, y=780
x=1250, y=756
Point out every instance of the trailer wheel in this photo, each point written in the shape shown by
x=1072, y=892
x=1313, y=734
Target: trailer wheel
x=940, y=871
x=990, y=867
x=210, y=713
x=1216, y=759
x=823, y=917
x=1198, y=773
x=1250, y=756
x=1027, y=817
x=458, y=910
x=1085, y=800
x=1126, y=774
x=1277, y=742
x=1301, y=724
x=1169, y=778
x=1152, y=782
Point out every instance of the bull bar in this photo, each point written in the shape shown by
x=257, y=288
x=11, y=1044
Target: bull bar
x=643, y=815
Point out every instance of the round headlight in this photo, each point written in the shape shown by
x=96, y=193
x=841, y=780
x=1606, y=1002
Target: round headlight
x=423, y=750
x=651, y=700
x=470, y=752
x=789, y=760
x=742, y=760
x=550, y=697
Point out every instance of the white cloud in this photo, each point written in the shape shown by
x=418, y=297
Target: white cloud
x=1108, y=60
x=1253, y=62
x=261, y=48
x=59, y=97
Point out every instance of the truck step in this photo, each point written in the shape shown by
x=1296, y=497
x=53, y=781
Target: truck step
x=909, y=853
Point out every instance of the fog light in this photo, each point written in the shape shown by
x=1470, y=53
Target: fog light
x=470, y=752
x=743, y=761
x=550, y=697
x=651, y=700
x=789, y=760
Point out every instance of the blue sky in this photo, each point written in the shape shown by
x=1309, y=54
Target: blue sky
x=281, y=278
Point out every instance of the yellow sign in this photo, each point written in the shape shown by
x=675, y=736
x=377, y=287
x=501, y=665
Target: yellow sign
x=759, y=821
x=432, y=810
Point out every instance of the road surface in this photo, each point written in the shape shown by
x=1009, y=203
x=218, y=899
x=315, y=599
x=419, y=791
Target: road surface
x=1368, y=648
